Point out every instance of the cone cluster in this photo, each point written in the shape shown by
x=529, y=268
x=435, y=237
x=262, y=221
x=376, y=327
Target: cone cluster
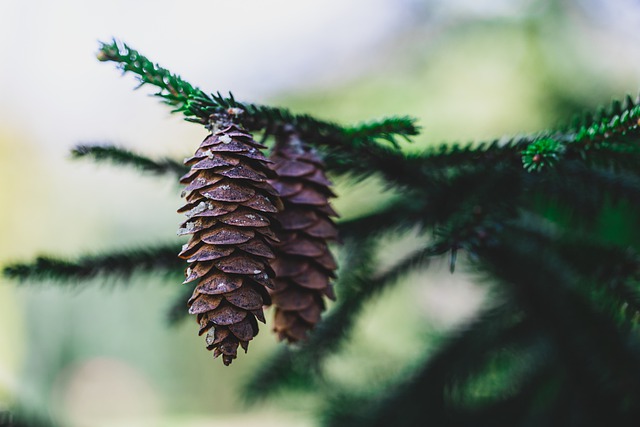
x=230, y=207
x=303, y=264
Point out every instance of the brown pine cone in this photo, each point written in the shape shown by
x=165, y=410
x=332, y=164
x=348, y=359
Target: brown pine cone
x=230, y=206
x=303, y=265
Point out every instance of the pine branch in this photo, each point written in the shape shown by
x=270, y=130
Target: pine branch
x=173, y=90
x=357, y=288
x=19, y=417
x=615, y=130
x=425, y=395
x=618, y=119
x=272, y=376
x=537, y=402
x=606, y=272
x=119, y=264
x=604, y=182
x=198, y=106
x=454, y=155
x=582, y=190
x=594, y=351
x=359, y=142
x=612, y=137
x=124, y=157
x=399, y=214
x=387, y=129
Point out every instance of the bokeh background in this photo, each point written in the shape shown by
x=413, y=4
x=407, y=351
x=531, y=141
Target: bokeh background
x=101, y=353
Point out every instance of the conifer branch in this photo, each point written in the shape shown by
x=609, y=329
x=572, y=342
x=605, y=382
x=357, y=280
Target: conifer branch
x=21, y=417
x=400, y=214
x=606, y=272
x=198, y=106
x=122, y=156
x=465, y=353
x=271, y=376
x=387, y=129
x=615, y=130
x=357, y=288
x=618, y=119
x=585, y=189
x=544, y=293
x=119, y=264
x=173, y=90
x=454, y=155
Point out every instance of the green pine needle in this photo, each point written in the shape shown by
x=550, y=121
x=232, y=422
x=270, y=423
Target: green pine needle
x=542, y=153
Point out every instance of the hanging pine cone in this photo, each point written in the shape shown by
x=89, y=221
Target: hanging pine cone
x=303, y=264
x=230, y=206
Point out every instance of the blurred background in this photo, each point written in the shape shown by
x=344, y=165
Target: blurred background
x=101, y=353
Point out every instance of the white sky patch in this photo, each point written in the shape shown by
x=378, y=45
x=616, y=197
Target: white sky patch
x=52, y=85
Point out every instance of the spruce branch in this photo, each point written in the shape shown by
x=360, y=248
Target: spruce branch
x=607, y=272
x=601, y=183
x=544, y=152
x=615, y=130
x=198, y=106
x=462, y=355
x=594, y=350
x=454, y=155
x=359, y=284
x=359, y=143
x=387, y=129
x=124, y=157
x=118, y=264
x=401, y=213
x=173, y=90
x=21, y=417
x=619, y=118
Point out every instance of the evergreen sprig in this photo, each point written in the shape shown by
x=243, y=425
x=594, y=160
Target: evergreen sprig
x=358, y=285
x=618, y=119
x=198, y=106
x=464, y=353
x=117, y=264
x=596, y=355
x=387, y=129
x=544, y=152
x=124, y=157
x=21, y=417
x=174, y=91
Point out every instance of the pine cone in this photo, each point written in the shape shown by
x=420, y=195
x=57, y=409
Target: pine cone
x=303, y=264
x=230, y=206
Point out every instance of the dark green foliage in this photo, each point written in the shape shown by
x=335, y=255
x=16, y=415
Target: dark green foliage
x=18, y=417
x=457, y=359
x=548, y=222
x=577, y=365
